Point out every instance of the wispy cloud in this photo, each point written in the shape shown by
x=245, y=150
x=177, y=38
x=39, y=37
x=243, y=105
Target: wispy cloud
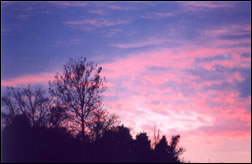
x=90, y=24
x=97, y=11
x=6, y=3
x=213, y=58
x=122, y=7
x=140, y=44
x=158, y=15
x=75, y=41
x=112, y=32
x=204, y=5
x=23, y=16
x=59, y=43
x=3, y=30
x=68, y=4
x=96, y=22
x=240, y=31
x=230, y=36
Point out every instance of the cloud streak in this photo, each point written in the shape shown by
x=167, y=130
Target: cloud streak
x=143, y=43
x=69, y=4
x=91, y=24
x=195, y=6
x=28, y=79
x=158, y=15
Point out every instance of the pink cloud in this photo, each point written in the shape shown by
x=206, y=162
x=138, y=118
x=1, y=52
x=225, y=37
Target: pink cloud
x=171, y=59
x=142, y=94
x=219, y=37
x=228, y=30
x=234, y=62
x=28, y=79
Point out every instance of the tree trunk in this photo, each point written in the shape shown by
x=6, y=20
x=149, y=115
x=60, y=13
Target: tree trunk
x=82, y=129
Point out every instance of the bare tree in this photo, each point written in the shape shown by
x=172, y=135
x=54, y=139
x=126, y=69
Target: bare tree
x=156, y=135
x=29, y=101
x=79, y=89
x=58, y=116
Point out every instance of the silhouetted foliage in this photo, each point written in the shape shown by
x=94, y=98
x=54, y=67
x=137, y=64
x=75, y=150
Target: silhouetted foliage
x=38, y=127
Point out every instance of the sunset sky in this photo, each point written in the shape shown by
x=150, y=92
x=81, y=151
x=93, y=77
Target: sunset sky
x=182, y=66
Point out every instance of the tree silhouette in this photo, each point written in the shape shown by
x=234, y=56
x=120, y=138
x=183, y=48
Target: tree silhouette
x=38, y=126
x=23, y=143
x=142, y=146
x=12, y=137
x=174, y=150
x=168, y=153
x=116, y=145
x=161, y=149
x=79, y=89
x=29, y=101
x=156, y=135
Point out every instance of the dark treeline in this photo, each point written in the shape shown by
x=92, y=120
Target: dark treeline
x=70, y=124
x=23, y=143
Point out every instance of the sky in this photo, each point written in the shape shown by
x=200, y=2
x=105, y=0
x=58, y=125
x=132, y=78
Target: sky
x=184, y=67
